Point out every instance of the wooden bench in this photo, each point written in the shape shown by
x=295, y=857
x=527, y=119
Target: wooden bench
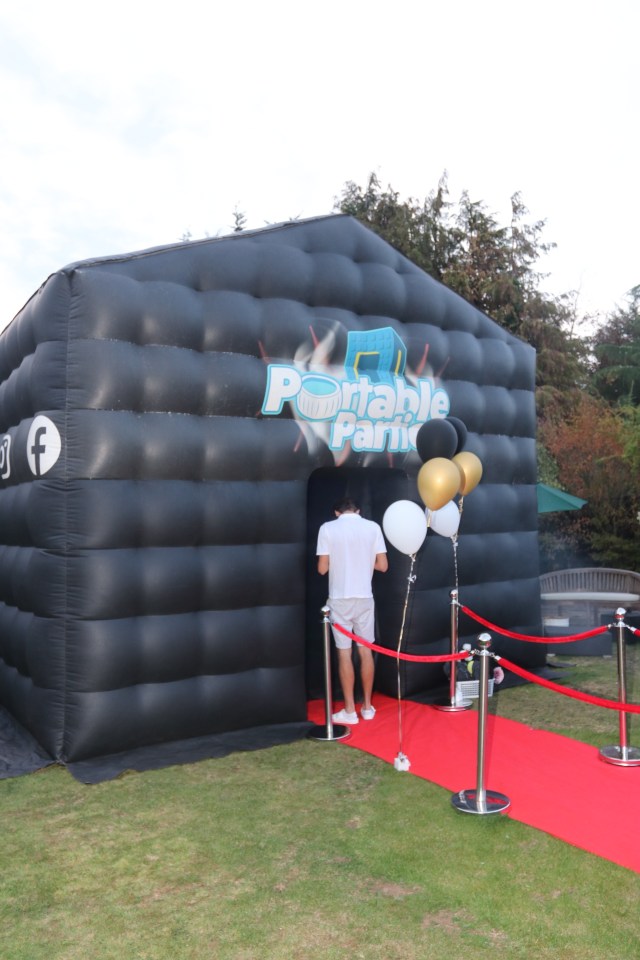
x=576, y=600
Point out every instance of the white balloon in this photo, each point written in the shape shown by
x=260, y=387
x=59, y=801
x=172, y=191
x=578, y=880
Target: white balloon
x=446, y=520
x=405, y=526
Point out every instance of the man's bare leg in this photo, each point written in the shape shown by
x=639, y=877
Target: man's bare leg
x=347, y=679
x=367, y=668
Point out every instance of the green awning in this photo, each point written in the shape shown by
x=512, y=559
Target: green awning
x=550, y=500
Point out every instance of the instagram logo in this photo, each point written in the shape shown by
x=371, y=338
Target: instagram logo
x=5, y=463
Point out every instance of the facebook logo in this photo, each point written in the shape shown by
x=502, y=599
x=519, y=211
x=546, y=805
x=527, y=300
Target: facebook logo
x=43, y=445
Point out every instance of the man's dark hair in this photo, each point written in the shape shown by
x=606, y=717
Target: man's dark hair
x=346, y=505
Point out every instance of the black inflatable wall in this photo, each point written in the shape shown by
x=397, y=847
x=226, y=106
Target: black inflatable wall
x=164, y=415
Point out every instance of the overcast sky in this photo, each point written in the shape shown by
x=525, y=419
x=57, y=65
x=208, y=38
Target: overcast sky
x=125, y=125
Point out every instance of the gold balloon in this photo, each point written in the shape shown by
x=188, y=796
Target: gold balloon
x=438, y=482
x=470, y=469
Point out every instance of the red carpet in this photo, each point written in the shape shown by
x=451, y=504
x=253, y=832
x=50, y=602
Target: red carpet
x=554, y=784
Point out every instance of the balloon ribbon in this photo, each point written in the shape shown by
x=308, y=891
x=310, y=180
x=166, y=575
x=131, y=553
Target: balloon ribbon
x=410, y=580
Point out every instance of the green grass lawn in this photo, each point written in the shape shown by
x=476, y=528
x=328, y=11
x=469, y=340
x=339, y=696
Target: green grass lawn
x=309, y=851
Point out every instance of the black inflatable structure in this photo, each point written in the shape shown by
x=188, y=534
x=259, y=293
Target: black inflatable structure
x=176, y=424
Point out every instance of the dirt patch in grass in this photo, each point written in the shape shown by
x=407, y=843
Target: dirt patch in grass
x=397, y=891
x=449, y=921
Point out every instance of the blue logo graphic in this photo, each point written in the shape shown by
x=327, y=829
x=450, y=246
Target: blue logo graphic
x=372, y=407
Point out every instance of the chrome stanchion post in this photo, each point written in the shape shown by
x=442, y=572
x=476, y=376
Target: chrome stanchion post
x=331, y=730
x=451, y=704
x=481, y=800
x=621, y=754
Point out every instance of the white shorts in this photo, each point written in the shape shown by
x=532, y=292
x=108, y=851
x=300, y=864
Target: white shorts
x=355, y=614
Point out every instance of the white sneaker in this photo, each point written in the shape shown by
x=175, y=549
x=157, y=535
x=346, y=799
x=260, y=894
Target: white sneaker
x=343, y=717
x=368, y=713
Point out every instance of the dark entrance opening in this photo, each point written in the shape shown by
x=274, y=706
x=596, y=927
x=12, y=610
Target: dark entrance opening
x=374, y=489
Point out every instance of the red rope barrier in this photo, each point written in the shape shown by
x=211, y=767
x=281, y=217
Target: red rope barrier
x=534, y=639
x=520, y=671
x=576, y=694
x=413, y=658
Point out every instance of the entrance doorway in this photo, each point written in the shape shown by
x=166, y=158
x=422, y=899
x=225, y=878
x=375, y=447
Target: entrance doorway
x=374, y=490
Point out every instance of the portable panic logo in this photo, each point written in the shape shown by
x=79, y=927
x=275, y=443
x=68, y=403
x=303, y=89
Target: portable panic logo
x=43, y=445
x=373, y=407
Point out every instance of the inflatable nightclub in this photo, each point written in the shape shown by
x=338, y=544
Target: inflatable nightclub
x=177, y=423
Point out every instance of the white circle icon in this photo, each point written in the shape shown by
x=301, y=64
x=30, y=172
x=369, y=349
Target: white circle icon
x=43, y=445
x=319, y=397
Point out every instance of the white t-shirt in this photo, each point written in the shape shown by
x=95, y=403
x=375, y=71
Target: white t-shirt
x=351, y=543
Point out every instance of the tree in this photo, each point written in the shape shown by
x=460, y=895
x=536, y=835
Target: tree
x=616, y=347
x=584, y=445
x=491, y=266
x=597, y=461
x=422, y=231
x=239, y=220
x=561, y=356
x=631, y=437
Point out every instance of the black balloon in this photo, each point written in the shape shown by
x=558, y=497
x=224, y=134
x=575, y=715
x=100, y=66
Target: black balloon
x=461, y=430
x=436, y=438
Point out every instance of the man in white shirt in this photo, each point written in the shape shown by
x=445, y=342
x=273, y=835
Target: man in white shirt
x=349, y=549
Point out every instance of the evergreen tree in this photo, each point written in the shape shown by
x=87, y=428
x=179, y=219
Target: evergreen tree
x=422, y=231
x=491, y=266
x=616, y=346
x=239, y=221
x=583, y=445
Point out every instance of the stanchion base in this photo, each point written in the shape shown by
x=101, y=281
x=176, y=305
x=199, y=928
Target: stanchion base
x=451, y=707
x=467, y=801
x=621, y=756
x=320, y=733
